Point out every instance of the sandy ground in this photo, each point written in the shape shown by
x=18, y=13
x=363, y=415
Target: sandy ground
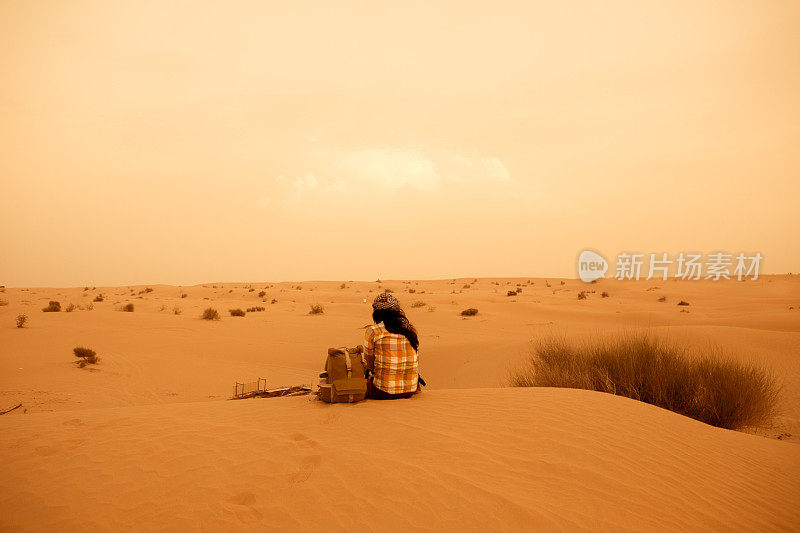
x=147, y=440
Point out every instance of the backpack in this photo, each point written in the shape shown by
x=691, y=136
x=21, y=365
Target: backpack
x=345, y=381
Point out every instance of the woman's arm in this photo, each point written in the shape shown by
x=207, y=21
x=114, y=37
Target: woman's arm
x=369, y=348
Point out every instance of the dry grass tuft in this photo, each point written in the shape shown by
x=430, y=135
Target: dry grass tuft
x=683, y=302
x=469, y=312
x=70, y=307
x=582, y=295
x=52, y=307
x=127, y=308
x=87, y=355
x=719, y=391
x=418, y=303
x=210, y=314
x=316, y=309
x=22, y=320
x=236, y=312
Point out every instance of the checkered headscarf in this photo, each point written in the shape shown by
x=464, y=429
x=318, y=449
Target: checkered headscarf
x=386, y=301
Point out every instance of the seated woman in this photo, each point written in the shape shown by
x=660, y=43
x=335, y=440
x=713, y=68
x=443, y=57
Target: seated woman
x=390, y=351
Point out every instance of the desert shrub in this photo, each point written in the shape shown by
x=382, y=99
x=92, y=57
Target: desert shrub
x=708, y=387
x=469, y=312
x=98, y=298
x=52, y=307
x=22, y=320
x=87, y=355
x=418, y=303
x=3, y=302
x=127, y=308
x=316, y=309
x=274, y=301
x=210, y=314
x=662, y=299
x=249, y=290
x=176, y=310
x=70, y=307
x=261, y=294
x=511, y=293
x=563, y=282
x=148, y=289
x=582, y=295
x=412, y=291
x=236, y=312
x=184, y=295
x=683, y=302
x=604, y=294
x=466, y=286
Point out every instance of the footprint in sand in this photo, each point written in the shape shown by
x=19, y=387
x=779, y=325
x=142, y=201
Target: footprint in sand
x=242, y=507
x=307, y=466
x=302, y=440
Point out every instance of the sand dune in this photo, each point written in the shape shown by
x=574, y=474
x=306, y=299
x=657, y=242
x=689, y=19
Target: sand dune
x=146, y=439
x=478, y=459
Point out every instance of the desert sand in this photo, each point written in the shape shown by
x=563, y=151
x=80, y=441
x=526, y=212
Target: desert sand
x=147, y=439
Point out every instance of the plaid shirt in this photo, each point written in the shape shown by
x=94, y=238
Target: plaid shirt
x=392, y=359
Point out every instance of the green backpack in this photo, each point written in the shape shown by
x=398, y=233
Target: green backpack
x=345, y=381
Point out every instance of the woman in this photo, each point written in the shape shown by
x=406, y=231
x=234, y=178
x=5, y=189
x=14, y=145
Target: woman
x=390, y=351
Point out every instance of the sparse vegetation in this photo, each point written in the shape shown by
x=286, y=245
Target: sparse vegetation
x=316, y=309
x=683, y=302
x=184, y=295
x=255, y=309
x=87, y=356
x=127, y=308
x=251, y=289
x=466, y=286
x=261, y=294
x=662, y=299
x=70, y=307
x=274, y=301
x=236, y=312
x=22, y=320
x=604, y=294
x=98, y=298
x=176, y=310
x=469, y=312
x=52, y=307
x=582, y=295
x=708, y=387
x=418, y=303
x=511, y=293
x=210, y=314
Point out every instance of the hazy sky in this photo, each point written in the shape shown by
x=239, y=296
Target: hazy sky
x=185, y=142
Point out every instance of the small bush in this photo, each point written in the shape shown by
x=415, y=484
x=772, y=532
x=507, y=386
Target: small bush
x=707, y=387
x=604, y=294
x=176, y=310
x=127, y=308
x=274, y=301
x=582, y=295
x=255, y=309
x=466, y=286
x=418, y=303
x=316, y=309
x=210, y=314
x=261, y=294
x=511, y=293
x=236, y=312
x=52, y=307
x=87, y=355
x=412, y=291
x=148, y=289
x=70, y=308
x=184, y=295
x=22, y=320
x=662, y=299
x=98, y=298
x=469, y=312
x=683, y=302
x=248, y=290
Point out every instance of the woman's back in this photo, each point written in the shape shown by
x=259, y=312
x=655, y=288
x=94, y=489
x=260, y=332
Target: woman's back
x=393, y=360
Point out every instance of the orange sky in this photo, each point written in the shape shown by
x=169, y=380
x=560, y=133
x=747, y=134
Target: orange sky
x=184, y=142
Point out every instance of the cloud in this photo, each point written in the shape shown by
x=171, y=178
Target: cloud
x=350, y=172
